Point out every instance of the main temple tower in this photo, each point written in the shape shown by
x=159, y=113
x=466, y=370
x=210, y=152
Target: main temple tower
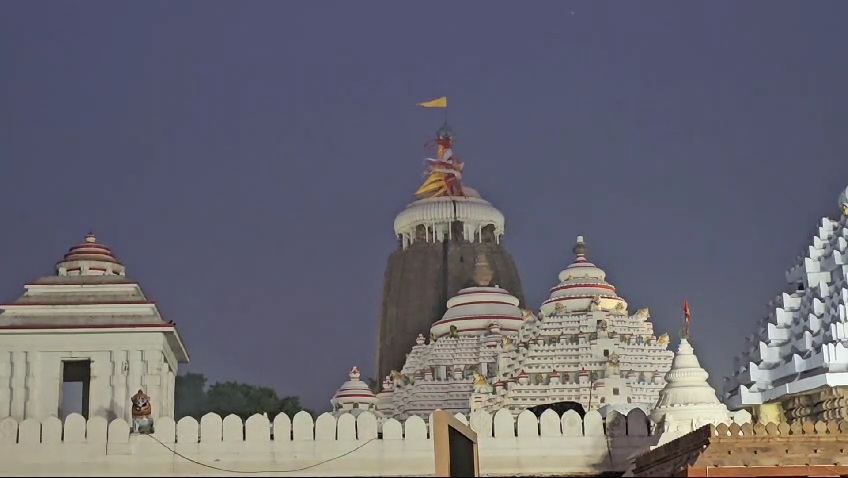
x=439, y=236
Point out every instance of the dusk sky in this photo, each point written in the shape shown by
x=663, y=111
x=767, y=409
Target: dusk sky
x=245, y=160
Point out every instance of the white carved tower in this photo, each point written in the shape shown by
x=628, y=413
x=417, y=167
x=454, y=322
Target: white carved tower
x=91, y=326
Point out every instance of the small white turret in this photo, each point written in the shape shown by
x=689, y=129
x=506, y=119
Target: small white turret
x=354, y=396
x=687, y=402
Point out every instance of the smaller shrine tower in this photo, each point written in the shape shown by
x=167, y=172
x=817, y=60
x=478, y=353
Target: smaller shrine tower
x=91, y=326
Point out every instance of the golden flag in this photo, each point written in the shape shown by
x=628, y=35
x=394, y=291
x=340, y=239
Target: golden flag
x=437, y=103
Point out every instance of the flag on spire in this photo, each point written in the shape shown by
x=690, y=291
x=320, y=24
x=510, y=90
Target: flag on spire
x=437, y=103
x=688, y=315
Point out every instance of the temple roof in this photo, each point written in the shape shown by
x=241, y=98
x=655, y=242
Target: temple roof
x=581, y=284
x=687, y=396
x=474, y=310
x=88, y=294
x=89, y=259
x=802, y=344
x=354, y=391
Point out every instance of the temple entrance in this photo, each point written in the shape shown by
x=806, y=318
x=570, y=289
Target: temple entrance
x=76, y=383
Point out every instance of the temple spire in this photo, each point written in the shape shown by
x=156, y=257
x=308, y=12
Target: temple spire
x=580, y=249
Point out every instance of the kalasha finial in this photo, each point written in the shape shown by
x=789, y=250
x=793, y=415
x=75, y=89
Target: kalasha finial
x=482, y=271
x=89, y=238
x=580, y=248
x=354, y=373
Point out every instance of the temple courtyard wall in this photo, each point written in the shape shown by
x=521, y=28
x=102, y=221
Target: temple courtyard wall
x=328, y=446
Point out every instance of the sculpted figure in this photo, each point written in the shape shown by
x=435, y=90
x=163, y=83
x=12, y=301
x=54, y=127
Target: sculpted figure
x=642, y=314
x=141, y=410
x=454, y=332
x=481, y=384
x=663, y=340
x=596, y=303
x=398, y=378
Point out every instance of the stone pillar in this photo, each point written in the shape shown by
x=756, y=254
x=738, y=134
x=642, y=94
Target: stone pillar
x=120, y=394
x=152, y=381
x=33, y=395
x=100, y=386
x=5, y=384
x=136, y=370
x=19, y=379
x=172, y=383
x=166, y=391
x=770, y=413
x=50, y=385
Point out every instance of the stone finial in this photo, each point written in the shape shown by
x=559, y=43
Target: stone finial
x=482, y=271
x=90, y=238
x=580, y=247
x=354, y=373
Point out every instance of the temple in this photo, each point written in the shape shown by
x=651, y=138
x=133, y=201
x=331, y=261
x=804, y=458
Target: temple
x=795, y=366
x=89, y=325
x=439, y=236
x=688, y=401
x=486, y=353
x=354, y=396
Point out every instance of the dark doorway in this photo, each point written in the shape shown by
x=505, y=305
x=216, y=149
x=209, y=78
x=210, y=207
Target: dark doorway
x=76, y=383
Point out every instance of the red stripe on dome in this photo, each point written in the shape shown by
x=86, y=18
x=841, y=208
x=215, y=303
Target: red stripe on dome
x=479, y=317
x=483, y=329
x=481, y=302
x=500, y=292
x=584, y=286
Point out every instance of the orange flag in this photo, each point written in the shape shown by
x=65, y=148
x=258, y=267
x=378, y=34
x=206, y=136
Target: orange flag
x=686, y=312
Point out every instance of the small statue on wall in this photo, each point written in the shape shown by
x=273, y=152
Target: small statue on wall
x=481, y=384
x=141, y=410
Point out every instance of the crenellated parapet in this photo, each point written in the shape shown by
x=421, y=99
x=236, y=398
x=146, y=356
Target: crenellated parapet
x=507, y=444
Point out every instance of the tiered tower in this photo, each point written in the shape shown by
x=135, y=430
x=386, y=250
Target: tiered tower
x=584, y=348
x=687, y=402
x=91, y=325
x=796, y=363
x=487, y=353
x=439, y=237
x=462, y=351
x=354, y=396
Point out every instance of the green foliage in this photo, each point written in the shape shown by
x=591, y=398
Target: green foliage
x=229, y=398
x=190, y=398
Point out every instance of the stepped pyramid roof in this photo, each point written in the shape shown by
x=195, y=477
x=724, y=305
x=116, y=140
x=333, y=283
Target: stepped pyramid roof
x=801, y=344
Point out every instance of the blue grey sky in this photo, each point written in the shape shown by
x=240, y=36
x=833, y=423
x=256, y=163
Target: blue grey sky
x=246, y=159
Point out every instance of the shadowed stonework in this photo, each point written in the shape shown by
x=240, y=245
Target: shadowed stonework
x=418, y=282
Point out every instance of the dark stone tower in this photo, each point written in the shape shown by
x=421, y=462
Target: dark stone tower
x=440, y=236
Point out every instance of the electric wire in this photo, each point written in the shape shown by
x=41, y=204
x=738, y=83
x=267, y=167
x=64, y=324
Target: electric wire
x=250, y=472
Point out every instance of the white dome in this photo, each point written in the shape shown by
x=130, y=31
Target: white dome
x=439, y=212
x=580, y=283
x=354, y=391
x=474, y=309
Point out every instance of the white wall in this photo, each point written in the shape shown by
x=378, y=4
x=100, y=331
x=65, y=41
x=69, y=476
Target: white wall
x=552, y=445
x=121, y=363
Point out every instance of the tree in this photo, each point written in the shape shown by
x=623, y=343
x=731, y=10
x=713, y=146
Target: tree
x=190, y=398
x=228, y=398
